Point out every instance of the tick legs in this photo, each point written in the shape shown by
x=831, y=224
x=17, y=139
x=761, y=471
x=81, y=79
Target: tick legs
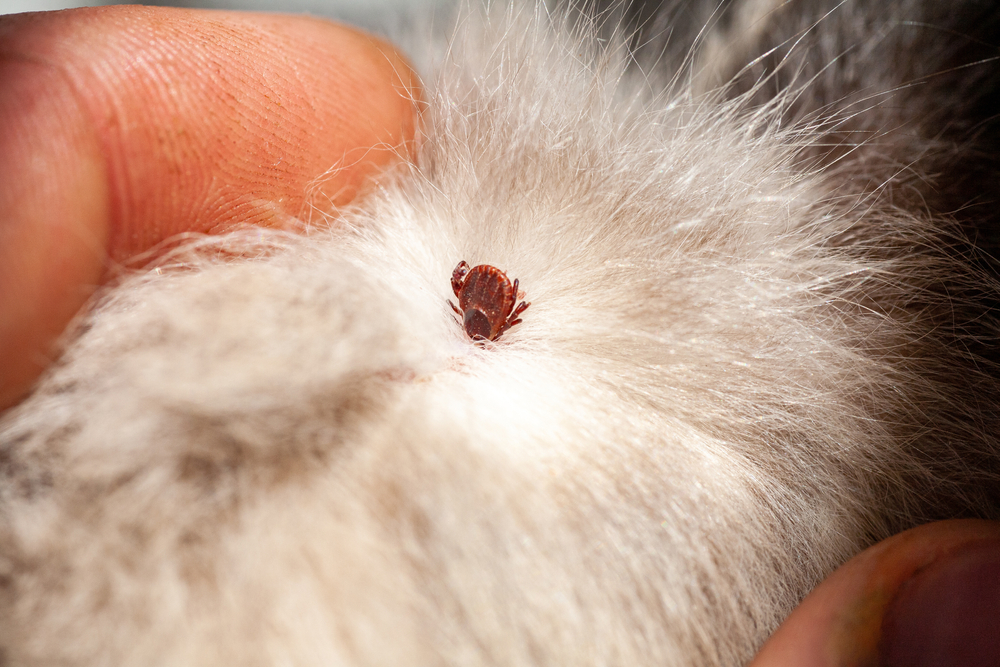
x=458, y=277
x=514, y=319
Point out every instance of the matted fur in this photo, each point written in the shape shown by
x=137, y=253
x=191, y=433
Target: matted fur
x=756, y=344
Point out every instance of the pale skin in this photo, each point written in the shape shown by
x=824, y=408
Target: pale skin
x=121, y=127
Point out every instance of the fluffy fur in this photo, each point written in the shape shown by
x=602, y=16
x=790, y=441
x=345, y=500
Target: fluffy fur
x=758, y=342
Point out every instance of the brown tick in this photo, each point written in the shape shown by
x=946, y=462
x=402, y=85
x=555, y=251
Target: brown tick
x=486, y=301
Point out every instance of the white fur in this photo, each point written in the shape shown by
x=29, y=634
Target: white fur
x=295, y=456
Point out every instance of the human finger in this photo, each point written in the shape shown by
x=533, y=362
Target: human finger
x=928, y=596
x=124, y=126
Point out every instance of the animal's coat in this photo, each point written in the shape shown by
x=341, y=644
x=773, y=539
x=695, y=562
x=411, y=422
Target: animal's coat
x=758, y=341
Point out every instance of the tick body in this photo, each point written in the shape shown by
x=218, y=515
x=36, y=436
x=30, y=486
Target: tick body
x=486, y=300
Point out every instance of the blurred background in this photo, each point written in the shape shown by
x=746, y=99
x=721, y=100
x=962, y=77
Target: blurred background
x=368, y=13
x=14, y=6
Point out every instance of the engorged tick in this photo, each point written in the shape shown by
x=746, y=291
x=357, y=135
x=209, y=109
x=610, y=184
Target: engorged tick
x=486, y=301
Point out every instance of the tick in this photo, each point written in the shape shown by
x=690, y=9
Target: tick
x=486, y=300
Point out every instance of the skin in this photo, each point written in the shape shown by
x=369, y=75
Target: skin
x=844, y=621
x=121, y=127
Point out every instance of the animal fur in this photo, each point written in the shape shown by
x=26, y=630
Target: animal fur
x=759, y=340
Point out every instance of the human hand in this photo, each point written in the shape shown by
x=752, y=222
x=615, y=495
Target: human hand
x=124, y=126
x=928, y=597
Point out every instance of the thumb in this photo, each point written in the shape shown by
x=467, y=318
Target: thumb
x=123, y=126
x=926, y=597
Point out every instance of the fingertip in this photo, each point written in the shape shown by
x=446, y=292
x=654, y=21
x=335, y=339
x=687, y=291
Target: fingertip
x=210, y=120
x=122, y=127
x=858, y=614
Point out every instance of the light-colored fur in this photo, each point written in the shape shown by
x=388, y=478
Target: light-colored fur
x=747, y=357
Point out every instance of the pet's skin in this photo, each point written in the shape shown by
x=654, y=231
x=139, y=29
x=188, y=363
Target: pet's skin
x=758, y=342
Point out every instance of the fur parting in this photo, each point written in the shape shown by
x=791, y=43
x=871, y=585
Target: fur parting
x=751, y=352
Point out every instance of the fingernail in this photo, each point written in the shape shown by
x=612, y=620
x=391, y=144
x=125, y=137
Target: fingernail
x=947, y=614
